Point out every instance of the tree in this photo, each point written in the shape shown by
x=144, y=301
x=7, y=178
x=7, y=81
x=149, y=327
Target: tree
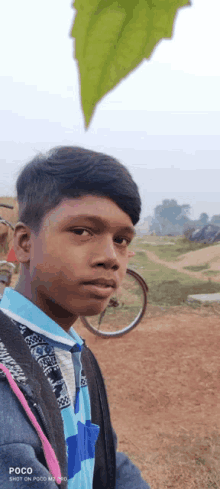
x=186, y=210
x=155, y=227
x=112, y=37
x=170, y=217
x=204, y=218
x=172, y=211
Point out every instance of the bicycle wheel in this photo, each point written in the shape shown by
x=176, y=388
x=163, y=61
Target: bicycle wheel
x=124, y=311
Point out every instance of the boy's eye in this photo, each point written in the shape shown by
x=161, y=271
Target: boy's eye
x=121, y=239
x=80, y=231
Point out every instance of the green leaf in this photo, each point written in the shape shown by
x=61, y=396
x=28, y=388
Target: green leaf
x=112, y=37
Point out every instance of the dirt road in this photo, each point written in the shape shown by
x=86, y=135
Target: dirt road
x=193, y=258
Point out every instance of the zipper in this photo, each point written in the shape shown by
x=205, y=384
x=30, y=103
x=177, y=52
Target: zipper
x=27, y=391
x=42, y=417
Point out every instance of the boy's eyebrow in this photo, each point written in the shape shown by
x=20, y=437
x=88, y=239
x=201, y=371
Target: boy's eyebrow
x=99, y=220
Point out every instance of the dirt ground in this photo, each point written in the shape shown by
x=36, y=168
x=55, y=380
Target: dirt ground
x=163, y=386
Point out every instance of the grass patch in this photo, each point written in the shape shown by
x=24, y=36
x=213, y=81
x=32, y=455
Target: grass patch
x=170, y=253
x=174, y=293
x=168, y=287
x=198, y=268
x=211, y=273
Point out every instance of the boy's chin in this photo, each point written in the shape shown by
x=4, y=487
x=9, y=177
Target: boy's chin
x=93, y=310
x=84, y=309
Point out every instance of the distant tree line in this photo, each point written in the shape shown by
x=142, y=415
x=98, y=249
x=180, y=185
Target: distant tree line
x=172, y=218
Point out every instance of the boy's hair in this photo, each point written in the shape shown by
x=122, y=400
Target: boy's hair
x=71, y=172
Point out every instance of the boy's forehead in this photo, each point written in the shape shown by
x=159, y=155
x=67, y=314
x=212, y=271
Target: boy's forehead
x=92, y=207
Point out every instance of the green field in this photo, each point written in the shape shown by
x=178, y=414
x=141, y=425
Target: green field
x=168, y=287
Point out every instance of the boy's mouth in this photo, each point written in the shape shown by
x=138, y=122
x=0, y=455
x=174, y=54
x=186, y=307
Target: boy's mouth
x=103, y=282
x=101, y=287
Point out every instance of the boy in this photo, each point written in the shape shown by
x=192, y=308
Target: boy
x=77, y=211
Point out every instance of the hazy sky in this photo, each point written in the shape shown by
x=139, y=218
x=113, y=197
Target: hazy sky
x=162, y=121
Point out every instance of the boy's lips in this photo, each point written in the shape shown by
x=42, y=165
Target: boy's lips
x=103, y=282
x=101, y=287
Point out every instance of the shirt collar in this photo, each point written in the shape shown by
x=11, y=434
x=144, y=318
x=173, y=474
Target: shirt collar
x=24, y=311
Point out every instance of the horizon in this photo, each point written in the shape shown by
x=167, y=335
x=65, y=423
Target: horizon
x=142, y=217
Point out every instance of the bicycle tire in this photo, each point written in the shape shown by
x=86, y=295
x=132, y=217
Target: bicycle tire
x=7, y=206
x=7, y=223
x=133, y=324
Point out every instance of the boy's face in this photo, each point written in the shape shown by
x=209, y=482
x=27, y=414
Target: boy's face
x=82, y=240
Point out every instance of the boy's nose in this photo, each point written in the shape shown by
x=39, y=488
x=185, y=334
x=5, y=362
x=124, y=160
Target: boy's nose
x=107, y=255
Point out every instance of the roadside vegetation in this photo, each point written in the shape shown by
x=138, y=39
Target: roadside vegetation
x=211, y=273
x=197, y=268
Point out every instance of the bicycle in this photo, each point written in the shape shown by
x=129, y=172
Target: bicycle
x=6, y=268
x=126, y=308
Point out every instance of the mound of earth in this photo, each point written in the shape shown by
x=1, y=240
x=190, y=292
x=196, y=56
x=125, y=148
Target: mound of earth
x=210, y=255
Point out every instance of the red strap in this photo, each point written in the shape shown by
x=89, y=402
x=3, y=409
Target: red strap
x=50, y=456
x=12, y=256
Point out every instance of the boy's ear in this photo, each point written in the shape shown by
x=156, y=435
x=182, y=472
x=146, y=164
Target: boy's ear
x=22, y=242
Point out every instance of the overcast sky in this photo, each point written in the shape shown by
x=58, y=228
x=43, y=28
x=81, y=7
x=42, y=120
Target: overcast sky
x=162, y=121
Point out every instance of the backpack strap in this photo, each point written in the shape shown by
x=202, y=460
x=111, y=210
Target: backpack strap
x=104, y=476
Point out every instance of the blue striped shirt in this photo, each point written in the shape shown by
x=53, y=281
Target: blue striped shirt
x=59, y=355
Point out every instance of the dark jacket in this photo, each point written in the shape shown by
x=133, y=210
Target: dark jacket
x=20, y=444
